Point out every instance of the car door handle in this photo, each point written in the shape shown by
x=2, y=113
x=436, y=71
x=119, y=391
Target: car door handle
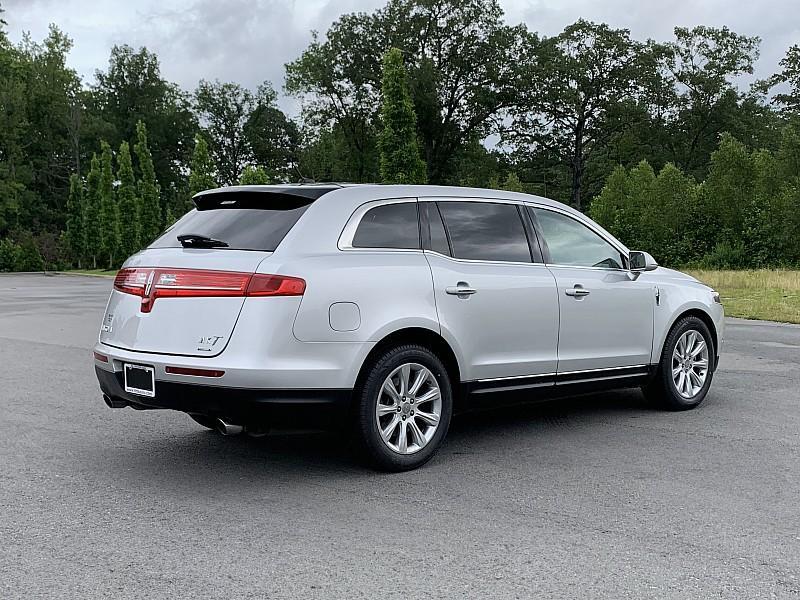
x=577, y=291
x=462, y=289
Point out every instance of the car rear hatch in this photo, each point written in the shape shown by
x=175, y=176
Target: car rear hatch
x=183, y=296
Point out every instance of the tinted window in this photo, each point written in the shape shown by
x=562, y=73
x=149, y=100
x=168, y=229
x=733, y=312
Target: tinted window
x=572, y=243
x=240, y=228
x=389, y=226
x=439, y=241
x=486, y=231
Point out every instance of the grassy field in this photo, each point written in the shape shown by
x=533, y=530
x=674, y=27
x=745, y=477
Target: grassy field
x=762, y=294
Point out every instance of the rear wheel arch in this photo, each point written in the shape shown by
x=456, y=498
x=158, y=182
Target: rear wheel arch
x=420, y=336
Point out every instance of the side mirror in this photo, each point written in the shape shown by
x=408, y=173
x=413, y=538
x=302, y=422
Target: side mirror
x=641, y=261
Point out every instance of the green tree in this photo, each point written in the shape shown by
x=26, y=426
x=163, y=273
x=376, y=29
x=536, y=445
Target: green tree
x=109, y=215
x=225, y=110
x=74, y=237
x=400, y=160
x=512, y=183
x=273, y=138
x=128, y=202
x=149, y=193
x=463, y=62
x=91, y=213
x=571, y=93
x=254, y=176
x=201, y=174
x=702, y=101
x=132, y=89
x=789, y=78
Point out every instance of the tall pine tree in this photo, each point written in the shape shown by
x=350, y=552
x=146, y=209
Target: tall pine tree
x=91, y=214
x=149, y=193
x=128, y=202
x=74, y=233
x=109, y=217
x=400, y=159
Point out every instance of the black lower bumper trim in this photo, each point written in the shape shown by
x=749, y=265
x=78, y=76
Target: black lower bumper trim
x=237, y=404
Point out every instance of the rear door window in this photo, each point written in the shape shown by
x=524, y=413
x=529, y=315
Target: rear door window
x=486, y=231
x=393, y=225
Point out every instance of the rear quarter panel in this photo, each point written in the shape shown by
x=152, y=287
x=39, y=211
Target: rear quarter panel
x=392, y=290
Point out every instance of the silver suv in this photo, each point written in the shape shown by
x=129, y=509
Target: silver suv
x=388, y=306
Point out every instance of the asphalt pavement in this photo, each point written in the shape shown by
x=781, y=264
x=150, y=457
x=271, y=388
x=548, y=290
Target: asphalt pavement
x=593, y=497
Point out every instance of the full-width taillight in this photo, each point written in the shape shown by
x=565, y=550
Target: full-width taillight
x=152, y=283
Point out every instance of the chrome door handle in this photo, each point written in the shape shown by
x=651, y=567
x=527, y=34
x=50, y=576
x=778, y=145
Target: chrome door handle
x=462, y=289
x=577, y=292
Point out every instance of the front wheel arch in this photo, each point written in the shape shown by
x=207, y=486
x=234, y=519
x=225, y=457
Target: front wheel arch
x=705, y=318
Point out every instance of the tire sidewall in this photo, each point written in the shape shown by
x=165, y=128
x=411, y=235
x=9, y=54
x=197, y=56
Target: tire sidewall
x=366, y=426
x=671, y=394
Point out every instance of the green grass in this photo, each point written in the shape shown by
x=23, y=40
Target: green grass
x=772, y=295
x=103, y=272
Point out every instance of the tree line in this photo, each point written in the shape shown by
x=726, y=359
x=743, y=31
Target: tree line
x=658, y=140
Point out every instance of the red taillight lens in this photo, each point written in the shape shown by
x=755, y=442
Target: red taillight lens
x=132, y=281
x=151, y=283
x=275, y=285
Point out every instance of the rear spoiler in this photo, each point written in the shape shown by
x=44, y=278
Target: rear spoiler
x=269, y=197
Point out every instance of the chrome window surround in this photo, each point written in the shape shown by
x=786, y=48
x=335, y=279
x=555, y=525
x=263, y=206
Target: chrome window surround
x=348, y=233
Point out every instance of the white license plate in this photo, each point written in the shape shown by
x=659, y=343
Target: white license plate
x=140, y=380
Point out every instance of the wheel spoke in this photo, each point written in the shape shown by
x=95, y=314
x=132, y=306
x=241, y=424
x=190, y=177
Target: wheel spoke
x=701, y=364
x=405, y=375
x=687, y=386
x=387, y=431
x=385, y=409
x=432, y=394
x=429, y=418
x=699, y=347
x=391, y=391
x=402, y=438
x=419, y=380
x=695, y=378
x=417, y=433
x=680, y=380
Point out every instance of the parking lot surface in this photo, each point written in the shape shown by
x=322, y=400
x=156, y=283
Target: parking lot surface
x=593, y=497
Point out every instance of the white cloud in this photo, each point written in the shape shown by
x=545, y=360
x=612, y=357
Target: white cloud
x=250, y=40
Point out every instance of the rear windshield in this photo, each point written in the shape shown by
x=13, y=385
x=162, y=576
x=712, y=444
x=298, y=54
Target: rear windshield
x=240, y=228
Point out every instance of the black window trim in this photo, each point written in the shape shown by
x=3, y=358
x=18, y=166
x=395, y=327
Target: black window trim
x=546, y=250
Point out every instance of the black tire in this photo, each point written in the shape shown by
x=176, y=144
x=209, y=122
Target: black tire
x=367, y=436
x=203, y=420
x=662, y=390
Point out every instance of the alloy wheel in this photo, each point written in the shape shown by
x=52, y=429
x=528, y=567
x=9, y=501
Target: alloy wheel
x=408, y=408
x=690, y=363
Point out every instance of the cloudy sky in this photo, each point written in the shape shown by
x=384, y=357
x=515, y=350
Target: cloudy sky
x=250, y=40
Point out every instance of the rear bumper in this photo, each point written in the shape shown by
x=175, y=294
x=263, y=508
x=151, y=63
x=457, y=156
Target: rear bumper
x=293, y=406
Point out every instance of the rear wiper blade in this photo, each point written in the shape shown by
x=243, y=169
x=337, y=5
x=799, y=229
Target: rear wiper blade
x=189, y=240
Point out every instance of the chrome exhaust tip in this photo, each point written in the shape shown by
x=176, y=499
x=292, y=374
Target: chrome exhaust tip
x=114, y=402
x=226, y=428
